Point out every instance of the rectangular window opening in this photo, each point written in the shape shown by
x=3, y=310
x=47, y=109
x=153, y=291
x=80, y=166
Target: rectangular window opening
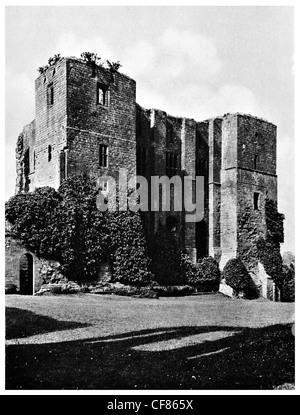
x=256, y=201
x=102, y=95
x=103, y=155
x=50, y=94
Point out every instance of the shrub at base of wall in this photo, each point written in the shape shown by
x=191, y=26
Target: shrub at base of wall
x=204, y=276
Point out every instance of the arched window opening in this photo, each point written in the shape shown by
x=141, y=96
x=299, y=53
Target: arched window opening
x=26, y=274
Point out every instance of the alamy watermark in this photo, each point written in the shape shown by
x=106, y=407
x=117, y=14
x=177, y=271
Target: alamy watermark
x=160, y=194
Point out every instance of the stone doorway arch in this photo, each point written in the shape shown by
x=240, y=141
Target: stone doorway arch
x=26, y=274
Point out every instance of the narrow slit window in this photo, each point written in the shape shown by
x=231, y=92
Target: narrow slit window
x=256, y=201
x=49, y=153
x=50, y=94
x=103, y=156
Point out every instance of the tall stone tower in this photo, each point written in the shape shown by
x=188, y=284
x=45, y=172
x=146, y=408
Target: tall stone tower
x=240, y=178
x=248, y=179
x=84, y=122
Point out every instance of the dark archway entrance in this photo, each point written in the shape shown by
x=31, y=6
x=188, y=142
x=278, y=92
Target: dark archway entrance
x=26, y=274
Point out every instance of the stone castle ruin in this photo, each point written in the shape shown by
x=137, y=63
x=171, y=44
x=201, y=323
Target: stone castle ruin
x=88, y=121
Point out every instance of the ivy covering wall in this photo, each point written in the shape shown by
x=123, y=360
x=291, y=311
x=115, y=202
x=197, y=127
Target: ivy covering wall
x=268, y=248
x=66, y=225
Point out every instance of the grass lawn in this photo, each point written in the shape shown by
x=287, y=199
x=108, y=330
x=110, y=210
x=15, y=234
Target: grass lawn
x=108, y=342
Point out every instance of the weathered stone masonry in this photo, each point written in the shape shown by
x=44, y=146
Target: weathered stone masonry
x=84, y=115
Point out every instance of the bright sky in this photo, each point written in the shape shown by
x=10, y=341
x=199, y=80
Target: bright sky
x=197, y=62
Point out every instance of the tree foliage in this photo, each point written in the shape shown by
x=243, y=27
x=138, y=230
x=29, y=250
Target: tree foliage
x=236, y=275
x=90, y=58
x=66, y=225
x=128, y=248
x=189, y=270
x=205, y=274
x=288, y=283
x=84, y=236
x=209, y=270
x=35, y=217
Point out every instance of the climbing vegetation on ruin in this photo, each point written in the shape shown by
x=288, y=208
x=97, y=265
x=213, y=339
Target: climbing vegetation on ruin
x=35, y=219
x=67, y=225
x=113, y=66
x=288, y=284
x=90, y=58
x=128, y=248
x=51, y=62
x=85, y=237
x=268, y=248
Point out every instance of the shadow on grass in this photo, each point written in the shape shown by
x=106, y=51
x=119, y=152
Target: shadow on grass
x=213, y=358
x=23, y=323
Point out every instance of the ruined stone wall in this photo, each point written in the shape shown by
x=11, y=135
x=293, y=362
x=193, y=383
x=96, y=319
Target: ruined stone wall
x=25, y=155
x=145, y=160
x=214, y=179
x=255, y=137
x=202, y=169
x=228, y=216
x=159, y=127
x=252, y=222
x=248, y=173
x=14, y=250
x=228, y=237
x=188, y=156
x=153, y=134
x=50, y=122
x=91, y=124
x=44, y=271
x=159, y=133
x=144, y=137
x=248, y=178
